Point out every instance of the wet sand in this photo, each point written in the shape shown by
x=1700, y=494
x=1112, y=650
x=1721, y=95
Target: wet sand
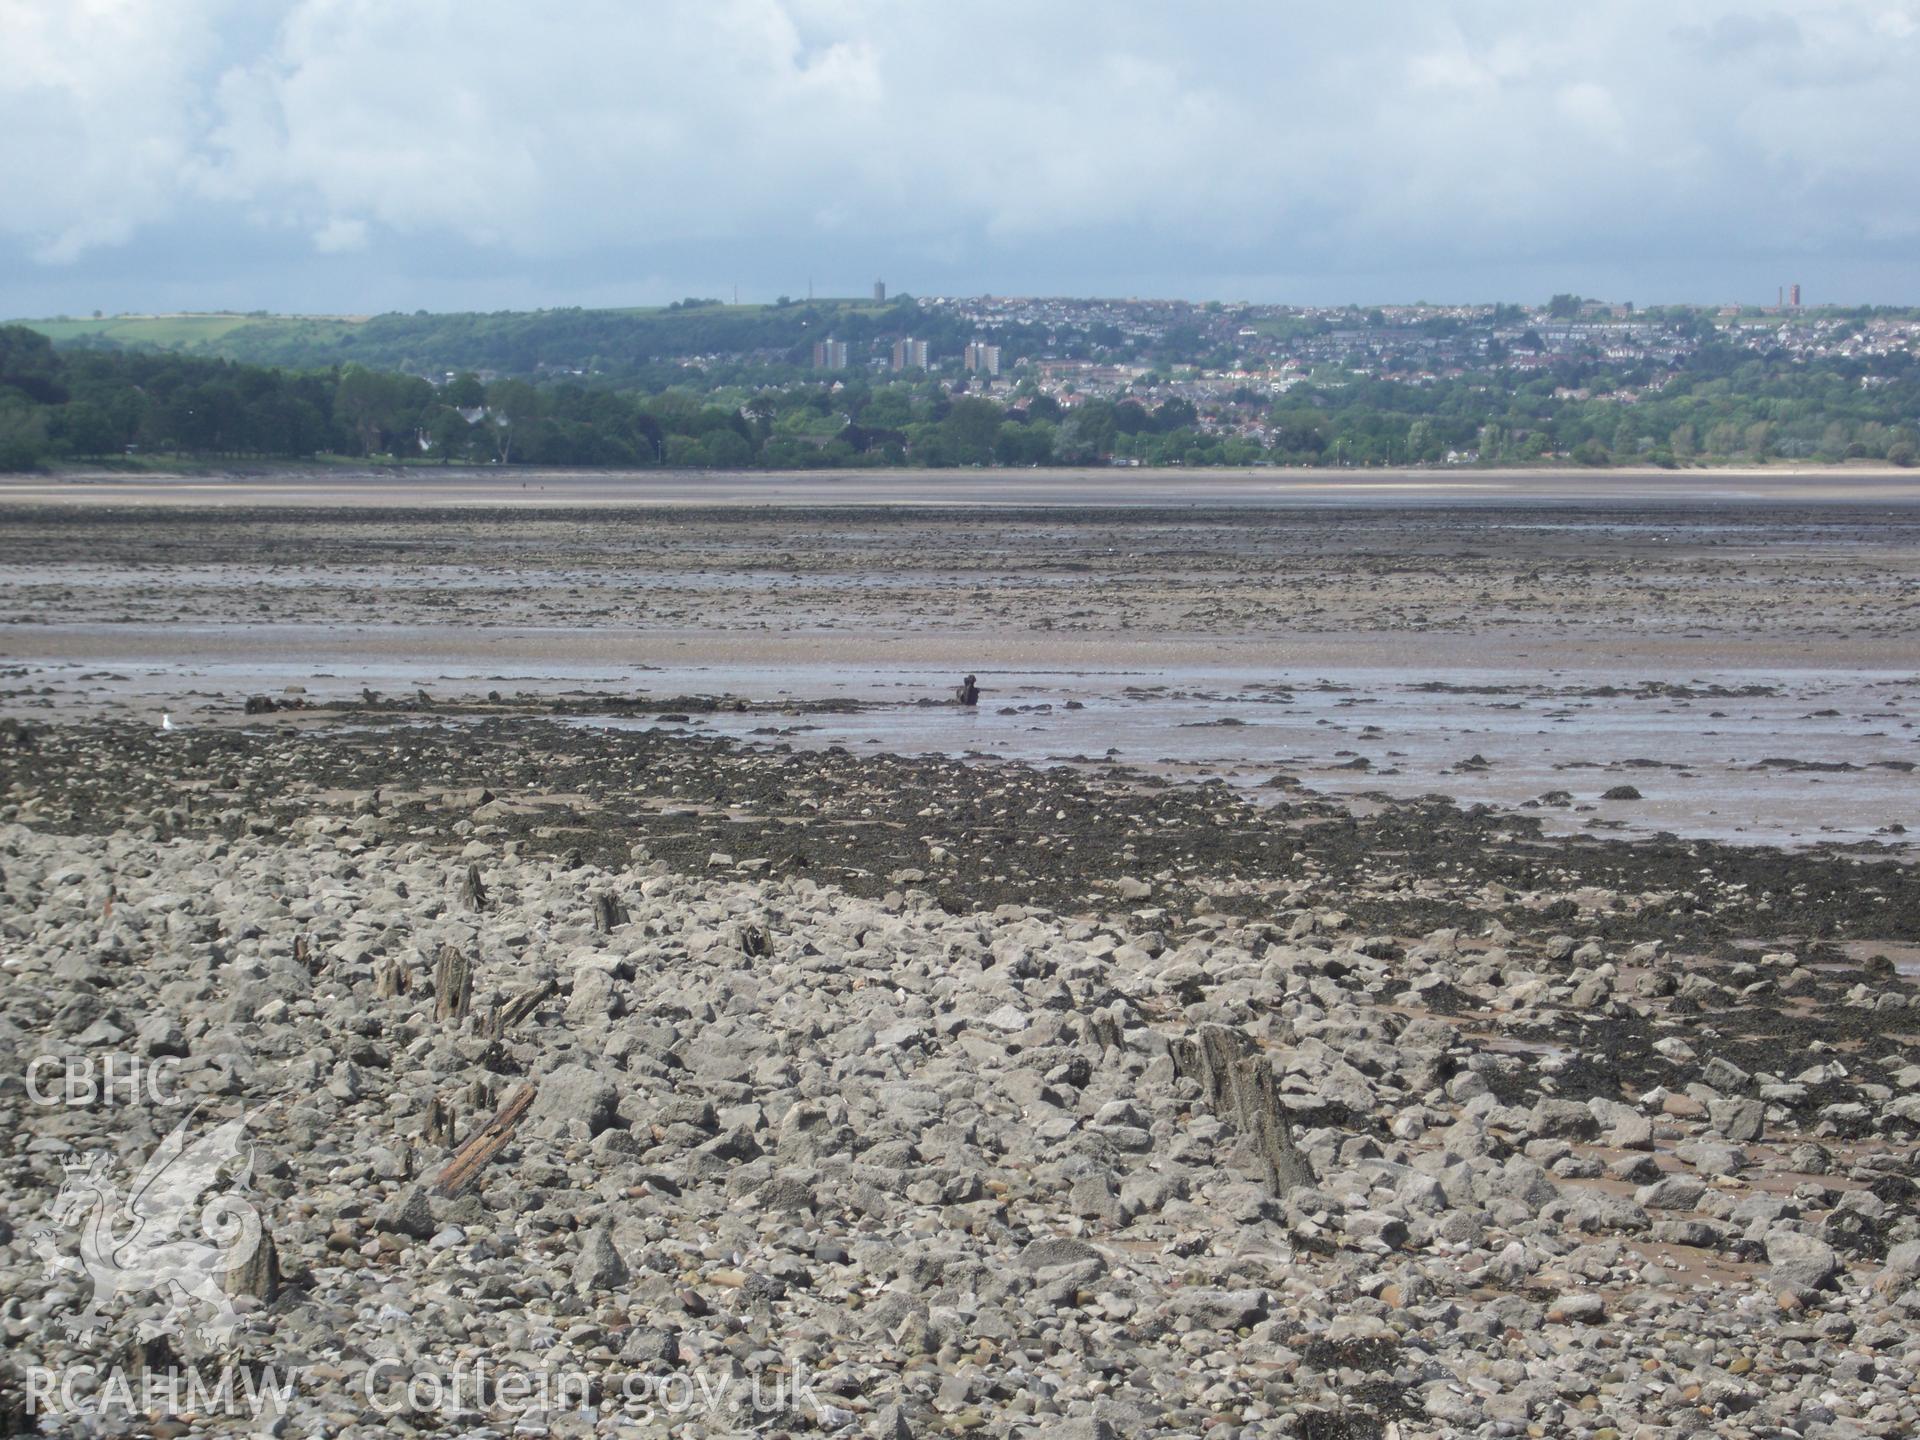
x=1104, y=487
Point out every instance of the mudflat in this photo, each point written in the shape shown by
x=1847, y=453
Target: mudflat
x=1748, y=668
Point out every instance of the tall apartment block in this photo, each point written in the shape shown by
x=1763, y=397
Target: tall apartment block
x=982, y=358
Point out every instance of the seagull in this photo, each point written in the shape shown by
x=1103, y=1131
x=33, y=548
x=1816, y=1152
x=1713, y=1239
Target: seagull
x=166, y=721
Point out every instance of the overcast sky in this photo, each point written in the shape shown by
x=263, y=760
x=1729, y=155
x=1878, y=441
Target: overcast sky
x=364, y=155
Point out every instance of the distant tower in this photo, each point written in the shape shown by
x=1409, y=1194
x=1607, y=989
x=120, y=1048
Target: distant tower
x=982, y=358
x=879, y=292
x=1793, y=295
x=909, y=354
x=829, y=354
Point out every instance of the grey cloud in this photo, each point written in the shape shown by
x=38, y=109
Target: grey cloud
x=360, y=148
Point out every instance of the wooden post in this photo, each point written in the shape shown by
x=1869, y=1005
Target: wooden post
x=452, y=985
x=607, y=912
x=484, y=1144
x=438, y=1129
x=1239, y=1086
x=509, y=1013
x=257, y=1273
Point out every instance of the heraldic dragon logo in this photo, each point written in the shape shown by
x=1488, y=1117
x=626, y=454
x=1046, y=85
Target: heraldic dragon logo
x=183, y=1223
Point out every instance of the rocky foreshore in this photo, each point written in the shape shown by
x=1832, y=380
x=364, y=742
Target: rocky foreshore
x=860, y=1095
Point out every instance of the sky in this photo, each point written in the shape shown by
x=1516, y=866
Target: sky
x=356, y=156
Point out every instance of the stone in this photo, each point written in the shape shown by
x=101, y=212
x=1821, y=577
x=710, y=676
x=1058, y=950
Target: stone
x=1801, y=1260
x=599, y=1267
x=1236, y=1157
x=1578, y=1309
x=409, y=1213
x=594, y=998
x=1672, y=1192
x=1741, y=1121
x=1216, y=1309
x=1562, y=1119
x=1047, y=1253
x=573, y=1093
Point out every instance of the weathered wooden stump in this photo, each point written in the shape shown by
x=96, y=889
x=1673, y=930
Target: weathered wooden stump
x=510, y=1012
x=484, y=1144
x=438, y=1129
x=474, y=892
x=257, y=1272
x=1239, y=1085
x=1104, y=1031
x=607, y=912
x=391, y=978
x=452, y=984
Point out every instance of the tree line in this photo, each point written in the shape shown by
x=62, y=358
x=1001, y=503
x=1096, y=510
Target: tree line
x=93, y=404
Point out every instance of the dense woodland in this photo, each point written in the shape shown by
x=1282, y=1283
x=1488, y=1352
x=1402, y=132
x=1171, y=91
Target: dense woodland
x=1724, y=404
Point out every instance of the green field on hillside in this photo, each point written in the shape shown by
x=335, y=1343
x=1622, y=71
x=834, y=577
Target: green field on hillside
x=214, y=333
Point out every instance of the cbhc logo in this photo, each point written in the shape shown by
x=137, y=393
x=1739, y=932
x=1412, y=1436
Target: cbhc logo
x=109, y=1080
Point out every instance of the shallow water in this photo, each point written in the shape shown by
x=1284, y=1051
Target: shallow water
x=1705, y=751
x=1699, y=760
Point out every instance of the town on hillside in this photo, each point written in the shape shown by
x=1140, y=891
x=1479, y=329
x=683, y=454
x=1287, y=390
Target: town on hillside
x=988, y=380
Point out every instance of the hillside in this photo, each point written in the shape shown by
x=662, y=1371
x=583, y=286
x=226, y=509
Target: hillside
x=507, y=342
x=218, y=334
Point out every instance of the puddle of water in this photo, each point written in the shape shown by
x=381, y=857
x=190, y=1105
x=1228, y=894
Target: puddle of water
x=1536, y=1049
x=1904, y=954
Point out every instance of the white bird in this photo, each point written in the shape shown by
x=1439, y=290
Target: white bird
x=166, y=721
